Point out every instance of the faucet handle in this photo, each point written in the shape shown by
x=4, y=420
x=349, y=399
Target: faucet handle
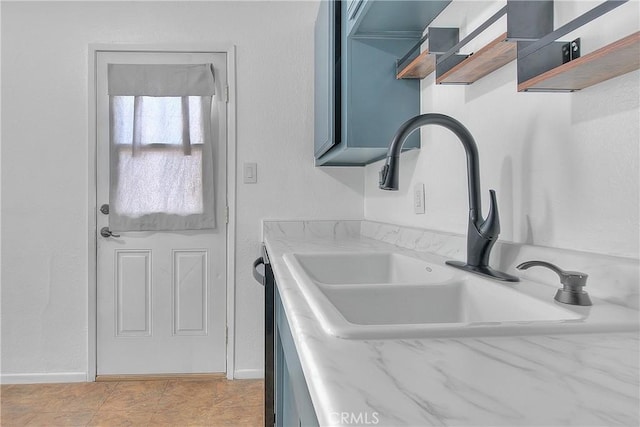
x=389, y=174
x=572, y=281
x=490, y=227
x=382, y=175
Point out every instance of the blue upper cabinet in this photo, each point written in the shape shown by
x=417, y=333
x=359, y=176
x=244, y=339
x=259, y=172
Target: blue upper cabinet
x=391, y=18
x=359, y=103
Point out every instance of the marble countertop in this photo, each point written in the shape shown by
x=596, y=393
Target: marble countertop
x=537, y=380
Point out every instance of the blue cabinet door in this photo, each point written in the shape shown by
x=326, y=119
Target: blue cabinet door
x=325, y=79
x=293, y=401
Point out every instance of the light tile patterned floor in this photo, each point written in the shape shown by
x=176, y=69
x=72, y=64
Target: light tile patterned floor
x=215, y=402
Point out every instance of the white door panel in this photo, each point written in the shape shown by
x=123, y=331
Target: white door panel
x=161, y=297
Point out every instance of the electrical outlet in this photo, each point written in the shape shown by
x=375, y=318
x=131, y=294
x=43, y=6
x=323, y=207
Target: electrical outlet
x=418, y=198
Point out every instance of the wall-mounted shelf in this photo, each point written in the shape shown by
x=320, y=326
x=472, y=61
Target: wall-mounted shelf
x=613, y=60
x=439, y=41
x=526, y=20
x=491, y=57
x=423, y=65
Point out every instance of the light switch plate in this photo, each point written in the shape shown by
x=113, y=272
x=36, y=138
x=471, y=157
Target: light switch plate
x=250, y=173
x=418, y=198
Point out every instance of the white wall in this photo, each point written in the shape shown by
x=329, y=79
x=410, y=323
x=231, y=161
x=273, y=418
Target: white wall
x=564, y=165
x=45, y=157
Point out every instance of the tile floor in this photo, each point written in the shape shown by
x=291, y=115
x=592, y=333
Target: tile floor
x=211, y=402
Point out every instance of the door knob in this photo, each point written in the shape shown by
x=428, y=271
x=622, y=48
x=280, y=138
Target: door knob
x=105, y=232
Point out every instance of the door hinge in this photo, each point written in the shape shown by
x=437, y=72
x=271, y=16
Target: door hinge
x=226, y=93
x=226, y=215
x=226, y=335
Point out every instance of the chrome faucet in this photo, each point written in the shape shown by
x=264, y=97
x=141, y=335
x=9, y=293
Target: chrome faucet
x=481, y=233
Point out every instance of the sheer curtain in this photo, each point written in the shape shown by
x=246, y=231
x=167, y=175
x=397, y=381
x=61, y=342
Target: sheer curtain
x=161, y=162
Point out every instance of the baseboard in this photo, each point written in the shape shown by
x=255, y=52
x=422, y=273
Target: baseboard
x=248, y=374
x=80, y=377
x=159, y=377
x=40, y=378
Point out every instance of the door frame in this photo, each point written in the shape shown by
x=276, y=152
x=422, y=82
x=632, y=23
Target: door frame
x=92, y=208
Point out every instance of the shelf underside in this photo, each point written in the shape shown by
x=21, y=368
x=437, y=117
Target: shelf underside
x=419, y=68
x=488, y=59
x=613, y=60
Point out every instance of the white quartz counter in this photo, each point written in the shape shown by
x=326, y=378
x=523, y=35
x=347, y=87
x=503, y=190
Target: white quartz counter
x=537, y=380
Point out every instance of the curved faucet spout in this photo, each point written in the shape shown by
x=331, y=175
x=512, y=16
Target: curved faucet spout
x=481, y=234
x=389, y=175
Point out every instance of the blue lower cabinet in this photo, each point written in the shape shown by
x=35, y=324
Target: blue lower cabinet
x=293, y=402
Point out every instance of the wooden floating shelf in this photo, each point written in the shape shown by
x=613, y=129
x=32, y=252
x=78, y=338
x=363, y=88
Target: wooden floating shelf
x=488, y=59
x=419, y=68
x=615, y=59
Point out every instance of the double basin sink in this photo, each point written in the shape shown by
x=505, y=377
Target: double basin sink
x=391, y=295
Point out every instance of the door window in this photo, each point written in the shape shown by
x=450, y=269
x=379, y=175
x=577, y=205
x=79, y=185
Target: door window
x=161, y=161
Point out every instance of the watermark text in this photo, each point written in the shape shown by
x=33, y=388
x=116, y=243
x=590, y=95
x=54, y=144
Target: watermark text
x=355, y=418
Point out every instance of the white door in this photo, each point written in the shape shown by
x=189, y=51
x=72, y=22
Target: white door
x=161, y=296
